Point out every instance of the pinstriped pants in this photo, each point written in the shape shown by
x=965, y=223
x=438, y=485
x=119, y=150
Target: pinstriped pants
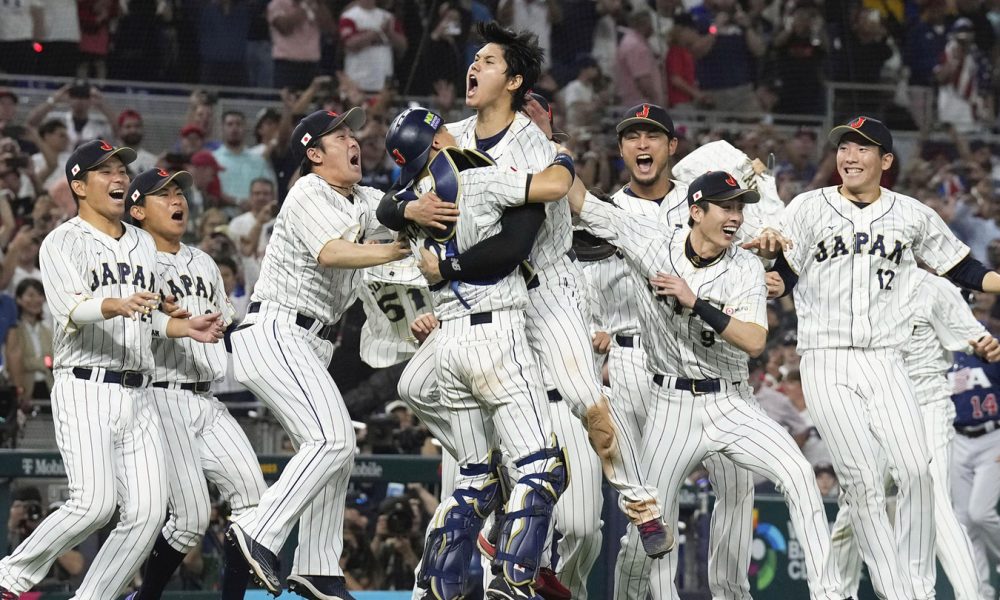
x=111, y=443
x=203, y=440
x=865, y=408
x=975, y=489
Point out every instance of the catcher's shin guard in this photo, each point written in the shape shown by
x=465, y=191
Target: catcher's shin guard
x=451, y=544
x=529, y=511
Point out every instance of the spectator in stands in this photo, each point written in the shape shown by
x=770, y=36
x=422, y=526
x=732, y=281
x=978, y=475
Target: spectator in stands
x=799, y=167
x=397, y=543
x=53, y=151
x=131, y=132
x=638, y=75
x=238, y=165
x=21, y=23
x=206, y=193
x=536, y=16
x=860, y=53
x=8, y=108
x=611, y=14
x=61, y=42
x=725, y=51
x=295, y=30
x=371, y=36
x=925, y=41
x=252, y=229
x=580, y=100
x=213, y=234
x=88, y=117
x=192, y=140
x=96, y=17
x=378, y=170
x=26, y=512
x=964, y=97
x=443, y=55
x=265, y=131
x=223, y=26
x=682, y=83
x=32, y=340
x=18, y=185
x=813, y=447
x=799, y=51
x=259, y=64
x=21, y=259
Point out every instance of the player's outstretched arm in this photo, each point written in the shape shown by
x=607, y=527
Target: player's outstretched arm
x=554, y=182
x=769, y=244
x=207, y=329
x=748, y=337
x=341, y=254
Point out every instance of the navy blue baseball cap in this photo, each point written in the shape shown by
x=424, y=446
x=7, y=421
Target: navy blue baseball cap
x=647, y=114
x=151, y=181
x=719, y=186
x=93, y=154
x=870, y=129
x=316, y=125
x=408, y=141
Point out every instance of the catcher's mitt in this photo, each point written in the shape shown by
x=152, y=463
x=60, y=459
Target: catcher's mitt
x=589, y=247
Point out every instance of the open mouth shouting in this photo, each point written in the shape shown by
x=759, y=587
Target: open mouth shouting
x=471, y=86
x=117, y=194
x=177, y=215
x=729, y=231
x=644, y=164
x=355, y=160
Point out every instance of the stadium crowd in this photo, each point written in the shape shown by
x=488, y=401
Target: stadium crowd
x=764, y=59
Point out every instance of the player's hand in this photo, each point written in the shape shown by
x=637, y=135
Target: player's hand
x=601, y=342
x=986, y=347
x=758, y=166
x=207, y=329
x=135, y=306
x=395, y=251
x=671, y=285
x=775, y=285
x=430, y=211
x=538, y=115
x=173, y=309
x=430, y=266
x=768, y=243
x=422, y=326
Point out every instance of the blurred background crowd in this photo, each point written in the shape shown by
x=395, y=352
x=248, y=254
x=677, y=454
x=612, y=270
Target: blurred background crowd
x=216, y=86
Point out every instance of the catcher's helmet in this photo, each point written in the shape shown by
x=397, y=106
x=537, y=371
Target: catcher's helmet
x=409, y=139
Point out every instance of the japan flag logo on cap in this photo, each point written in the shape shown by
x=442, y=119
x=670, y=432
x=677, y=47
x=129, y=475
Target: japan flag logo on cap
x=306, y=139
x=75, y=170
x=135, y=196
x=697, y=196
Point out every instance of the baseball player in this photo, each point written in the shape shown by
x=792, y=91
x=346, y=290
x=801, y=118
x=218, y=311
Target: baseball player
x=487, y=382
x=942, y=322
x=975, y=459
x=646, y=141
x=853, y=248
x=696, y=347
x=309, y=277
x=101, y=279
x=201, y=438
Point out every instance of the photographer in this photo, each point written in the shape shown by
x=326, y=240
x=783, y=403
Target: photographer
x=25, y=514
x=357, y=560
x=88, y=117
x=726, y=51
x=398, y=541
x=18, y=187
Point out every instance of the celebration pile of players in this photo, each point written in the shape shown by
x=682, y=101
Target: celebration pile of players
x=501, y=266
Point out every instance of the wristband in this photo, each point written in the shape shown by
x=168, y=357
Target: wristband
x=715, y=318
x=564, y=160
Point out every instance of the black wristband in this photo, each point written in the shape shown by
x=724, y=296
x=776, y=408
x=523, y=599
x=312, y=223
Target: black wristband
x=449, y=268
x=565, y=161
x=715, y=318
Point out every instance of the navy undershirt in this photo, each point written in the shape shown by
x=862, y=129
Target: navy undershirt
x=628, y=191
x=485, y=144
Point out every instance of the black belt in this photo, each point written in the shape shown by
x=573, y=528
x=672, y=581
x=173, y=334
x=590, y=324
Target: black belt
x=199, y=387
x=974, y=431
x=554, y=396
x=480, y=318
x=572, y=255
x=627, y=341
x=129, y=379
x=301, y=320
x=695, y=386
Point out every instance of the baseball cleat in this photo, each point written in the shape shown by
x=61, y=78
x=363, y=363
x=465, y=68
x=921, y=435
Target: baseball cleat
x=656, y=538
x=263, y=563
x=501, y=589
x=319, y=587
x=549, y=587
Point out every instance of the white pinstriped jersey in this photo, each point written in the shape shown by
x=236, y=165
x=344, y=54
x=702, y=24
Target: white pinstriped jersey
x=856, y=266
x=942, y=323
x=485, y=193
x=79, y=262
x=394, y=294
x=675, y=340
x=526, y=148
x=313, y=214
x=615, y=284
x=191, y=276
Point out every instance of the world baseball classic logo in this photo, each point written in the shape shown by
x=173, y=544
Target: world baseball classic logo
x=768, y=543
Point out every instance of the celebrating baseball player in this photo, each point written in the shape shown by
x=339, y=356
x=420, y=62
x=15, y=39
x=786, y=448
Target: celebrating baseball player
x=646, y=141
x=853, y=248
x=309, y=277
x=696, y=347
x=101, y=280
x=942, y=323
x=200, y=437
x=975, y=459
x=487, y=382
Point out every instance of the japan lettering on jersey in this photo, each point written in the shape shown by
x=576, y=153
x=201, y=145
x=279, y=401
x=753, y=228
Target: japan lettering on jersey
x=975, y=386
x=856, y=265
x=194, y=279
x=676, y=341
x=78, y=262
x=394, y=295
x=313, y=214
x=485, y=193
x=525, y=148
x=942, y=323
